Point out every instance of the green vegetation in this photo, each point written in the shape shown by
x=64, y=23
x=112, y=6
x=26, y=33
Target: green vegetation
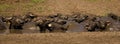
x=5, y=7
x=97, y=0
x=92, y=0
x=40, y=9
x=37, y=1
x=100, y=7
x=32, y=5
x=25, y=6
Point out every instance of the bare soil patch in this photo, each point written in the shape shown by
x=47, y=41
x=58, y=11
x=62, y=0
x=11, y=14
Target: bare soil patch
x=45, y=7
x=62, y=38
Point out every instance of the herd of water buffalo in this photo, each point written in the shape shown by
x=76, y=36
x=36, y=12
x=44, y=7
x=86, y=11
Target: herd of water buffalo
x=59, y=23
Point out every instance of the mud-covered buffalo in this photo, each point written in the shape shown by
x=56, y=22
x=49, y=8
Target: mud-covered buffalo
x=76, y=22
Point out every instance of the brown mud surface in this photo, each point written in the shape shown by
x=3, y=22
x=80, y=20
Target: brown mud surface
x=62, y=38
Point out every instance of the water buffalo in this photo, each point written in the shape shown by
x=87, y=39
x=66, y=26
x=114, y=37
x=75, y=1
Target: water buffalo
x=91, y=26
x=113, y=16
x=114, y=24
x=98, y=23
x=3, y=26
x=28, y=17
x=42, y=23
x=17, y=22
x=59, y=26
x=81, y=19
x=64, y=17
x=105, y=23
x=54, y=15
x=76, y=22
x=55, y=27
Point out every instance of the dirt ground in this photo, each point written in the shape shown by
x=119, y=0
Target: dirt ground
x=45, y=7
x=62, y=38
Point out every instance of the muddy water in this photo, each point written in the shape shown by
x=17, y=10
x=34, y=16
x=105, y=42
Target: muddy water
x=30, y=28
x=3, y=28
x=72, y=26
x=75, y=27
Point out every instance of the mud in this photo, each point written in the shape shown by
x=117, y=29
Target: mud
x=57, y=23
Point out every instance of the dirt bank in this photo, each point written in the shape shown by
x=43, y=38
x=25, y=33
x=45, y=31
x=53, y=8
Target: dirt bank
x=62, y=38
x=44, y=7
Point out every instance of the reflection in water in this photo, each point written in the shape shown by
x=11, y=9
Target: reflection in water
x=30, y=28
x=76, y=27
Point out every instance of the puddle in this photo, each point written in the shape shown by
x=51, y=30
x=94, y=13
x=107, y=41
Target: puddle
x=75, y=27
x=30, y=28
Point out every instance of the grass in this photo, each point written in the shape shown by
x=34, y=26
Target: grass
x=5, y=7
x=92, y=0
x=32, y=5
x=98, y=0
x=46, y=7
x=40, y=9
x=26, y=6
x=37, y=1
